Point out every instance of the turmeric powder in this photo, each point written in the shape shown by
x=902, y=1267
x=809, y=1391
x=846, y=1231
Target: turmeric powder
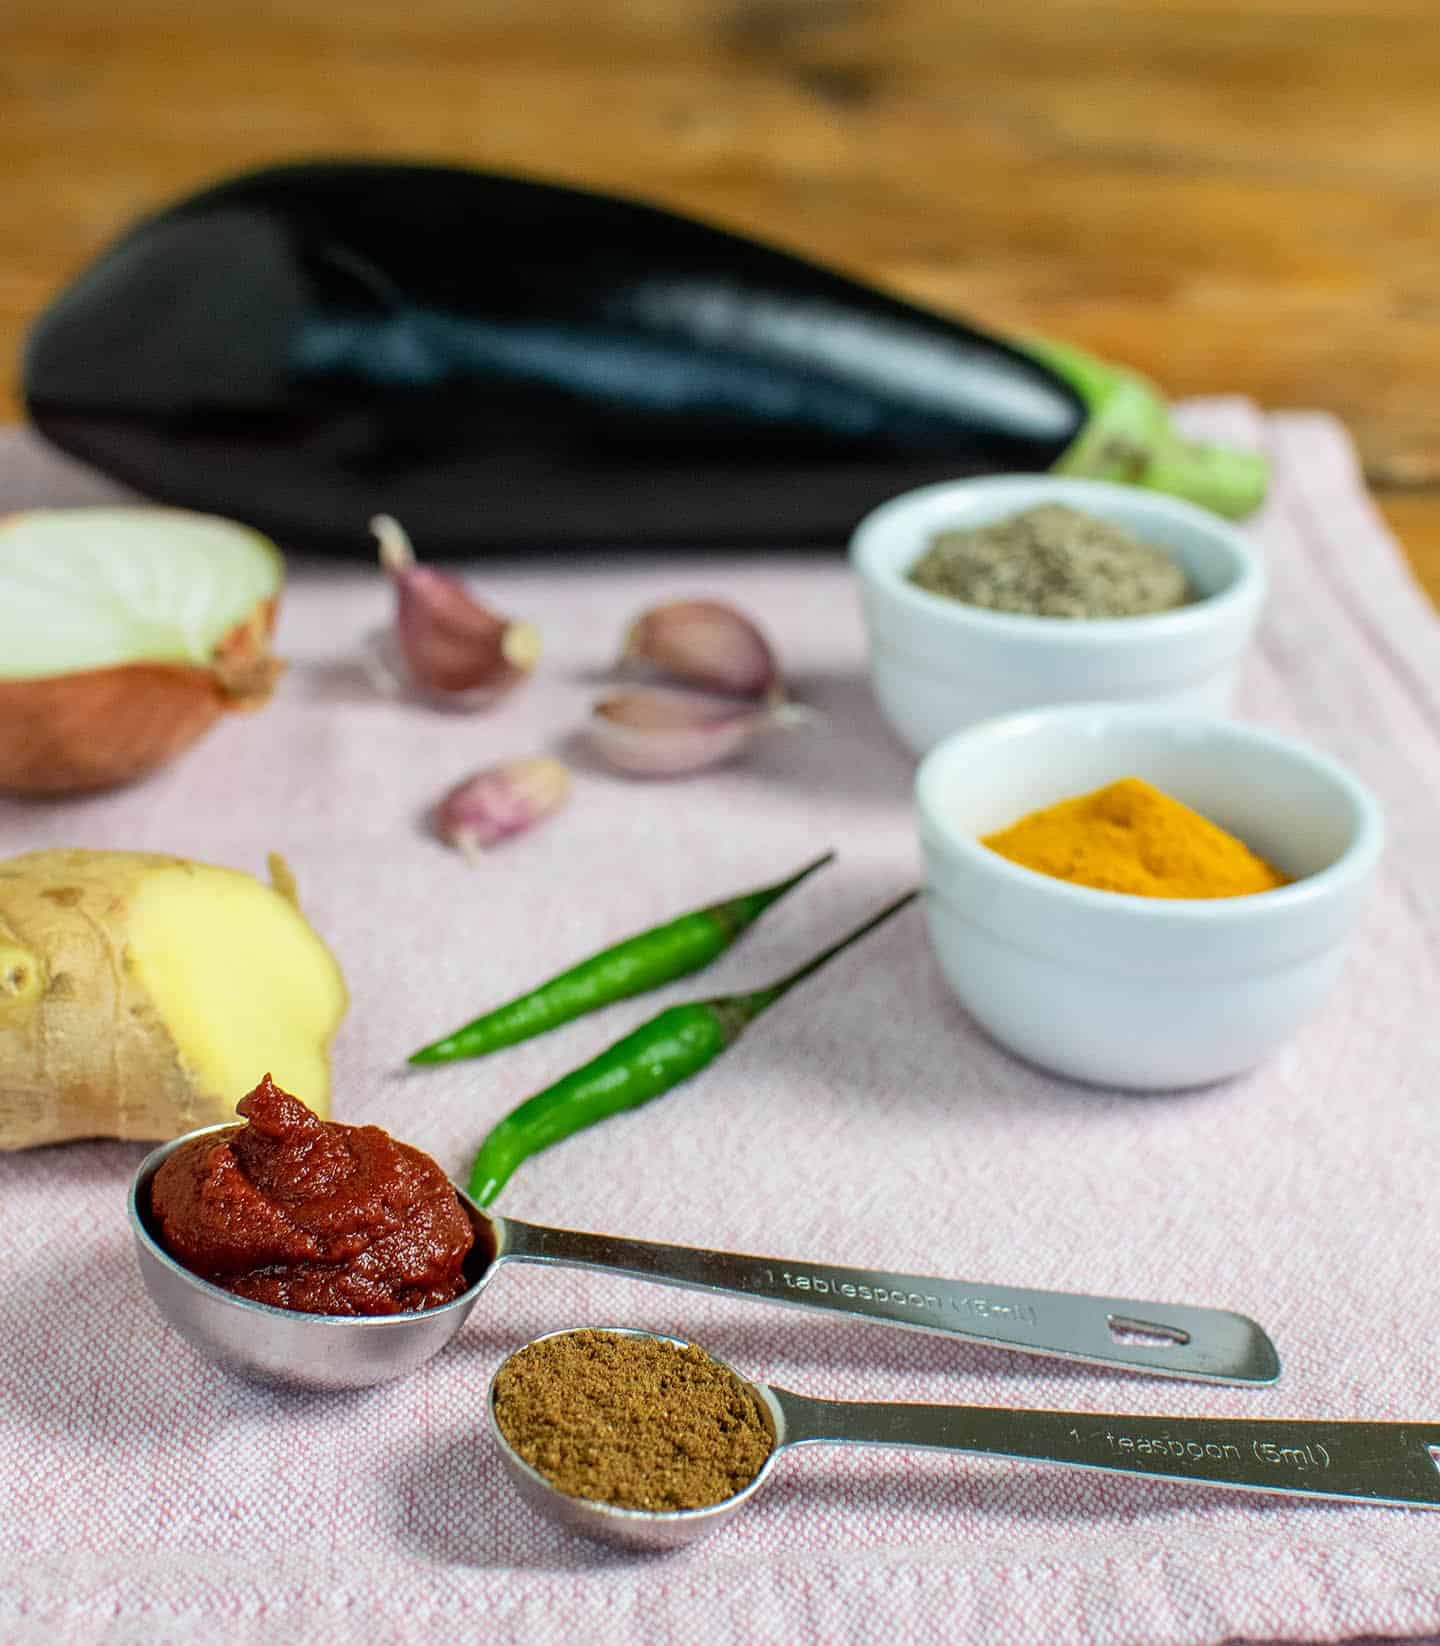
x=1132, y=837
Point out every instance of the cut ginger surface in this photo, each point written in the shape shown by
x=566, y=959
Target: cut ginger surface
x=139, y=994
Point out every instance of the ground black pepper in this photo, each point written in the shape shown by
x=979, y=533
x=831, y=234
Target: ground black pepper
x=1051, y=561
x=633, y=1421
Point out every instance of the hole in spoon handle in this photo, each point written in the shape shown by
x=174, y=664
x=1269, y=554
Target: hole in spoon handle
x=1156, y=1332
x=1173, y=1340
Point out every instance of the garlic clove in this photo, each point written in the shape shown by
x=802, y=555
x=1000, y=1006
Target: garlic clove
x=653, y=732
x=445, y=643
x=705, y=643
x=500, y=801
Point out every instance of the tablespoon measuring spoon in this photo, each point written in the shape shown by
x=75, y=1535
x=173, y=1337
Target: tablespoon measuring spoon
x=1172, y=1339
x=1393, y=1465
x=352, y=1352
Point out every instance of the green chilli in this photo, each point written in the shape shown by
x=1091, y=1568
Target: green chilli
x=647, y=1063
x=646, y=961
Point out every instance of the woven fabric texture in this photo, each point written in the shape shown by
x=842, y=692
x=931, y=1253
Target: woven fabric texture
x=146, y=1496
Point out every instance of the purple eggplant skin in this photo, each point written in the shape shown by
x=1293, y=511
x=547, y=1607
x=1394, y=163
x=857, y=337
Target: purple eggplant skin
x=504, y=363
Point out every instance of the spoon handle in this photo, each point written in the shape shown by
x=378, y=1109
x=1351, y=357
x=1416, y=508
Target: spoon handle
x=1380, y=1463
x=1169, y=1339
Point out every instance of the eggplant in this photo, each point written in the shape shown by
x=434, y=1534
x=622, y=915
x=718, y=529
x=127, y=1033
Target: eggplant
x=504, y=363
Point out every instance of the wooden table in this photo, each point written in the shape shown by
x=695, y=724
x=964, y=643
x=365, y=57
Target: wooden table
x=1233, y=195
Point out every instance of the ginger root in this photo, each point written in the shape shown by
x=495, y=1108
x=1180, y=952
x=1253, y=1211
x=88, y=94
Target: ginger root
x=140, y=995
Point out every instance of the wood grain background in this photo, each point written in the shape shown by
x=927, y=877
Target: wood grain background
x=1233, y=195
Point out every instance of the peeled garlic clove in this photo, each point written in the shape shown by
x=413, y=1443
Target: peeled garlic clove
x=651, y=732
x=500, y=801
x=706, y=643
x=445, y=641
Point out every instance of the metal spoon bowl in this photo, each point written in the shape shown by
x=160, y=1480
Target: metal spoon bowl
x=657, y=1529
x=1383, y=1464
x=283, y=1346
x=354, y=1351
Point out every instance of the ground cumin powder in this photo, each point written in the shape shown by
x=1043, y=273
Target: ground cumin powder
x=631, y=1420
x=1132, y=837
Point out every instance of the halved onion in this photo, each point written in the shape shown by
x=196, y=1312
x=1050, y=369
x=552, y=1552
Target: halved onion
x=125, y=633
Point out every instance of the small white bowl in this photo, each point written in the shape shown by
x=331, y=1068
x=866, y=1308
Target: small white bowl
x=937, y=664
x=1139, y=992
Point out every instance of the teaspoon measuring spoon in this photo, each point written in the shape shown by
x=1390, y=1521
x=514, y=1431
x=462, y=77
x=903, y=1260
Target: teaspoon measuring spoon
x=1383, y=1464
x=352, y=1352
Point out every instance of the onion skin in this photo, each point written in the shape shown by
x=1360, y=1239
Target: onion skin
x=69, y=734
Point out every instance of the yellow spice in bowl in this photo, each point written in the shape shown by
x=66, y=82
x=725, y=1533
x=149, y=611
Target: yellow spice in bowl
x=1132, y=837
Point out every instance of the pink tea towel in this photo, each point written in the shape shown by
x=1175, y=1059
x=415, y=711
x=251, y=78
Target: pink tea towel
x=147, y=1497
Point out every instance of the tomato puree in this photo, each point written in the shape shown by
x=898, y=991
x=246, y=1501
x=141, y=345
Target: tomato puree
x=309, y=1214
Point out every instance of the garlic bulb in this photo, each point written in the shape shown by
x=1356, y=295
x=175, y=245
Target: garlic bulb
x=125, y=634
x=654, y=732
x=444, y=644
x=704, y=643
x=500, y=801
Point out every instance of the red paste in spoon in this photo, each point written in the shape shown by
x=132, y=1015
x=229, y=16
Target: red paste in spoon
x=309, y=1214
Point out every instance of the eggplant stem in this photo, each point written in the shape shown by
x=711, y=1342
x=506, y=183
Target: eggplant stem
x=1128, y=437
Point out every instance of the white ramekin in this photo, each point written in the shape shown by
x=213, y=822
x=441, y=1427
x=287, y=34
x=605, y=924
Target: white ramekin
x=1137, y=992
x=937, y=664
